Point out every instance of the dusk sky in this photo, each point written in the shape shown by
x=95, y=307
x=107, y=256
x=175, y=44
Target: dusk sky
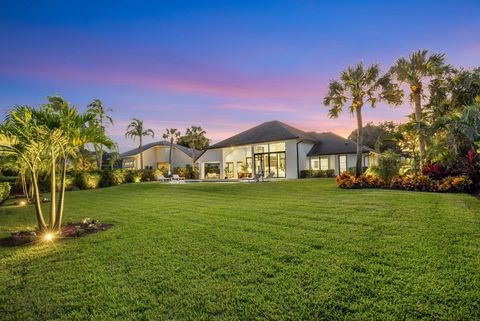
x=223, y=65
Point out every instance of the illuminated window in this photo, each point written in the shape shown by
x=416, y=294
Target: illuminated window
x=277, y=147
x=342, y=162
x=128, y=164
x=366, y=161
x=323, y=163
x=314, y=163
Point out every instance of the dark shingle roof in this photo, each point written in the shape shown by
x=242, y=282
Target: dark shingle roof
x=265, y=132
x=330, y=143
x=184, y=149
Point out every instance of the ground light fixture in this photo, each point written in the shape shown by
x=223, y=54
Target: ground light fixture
x=22, y=203
x=48, y=237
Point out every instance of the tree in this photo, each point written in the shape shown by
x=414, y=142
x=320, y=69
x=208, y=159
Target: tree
x=136, y=129
x=415, y=71
x=96, y=107
x=358, y=86
x=196, y=139
x=171, y=134
x=42, y=138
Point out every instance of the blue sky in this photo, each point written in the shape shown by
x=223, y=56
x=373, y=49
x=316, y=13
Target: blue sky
x=224, y=65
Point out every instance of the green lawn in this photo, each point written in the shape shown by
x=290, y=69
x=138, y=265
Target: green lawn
x=284, y=250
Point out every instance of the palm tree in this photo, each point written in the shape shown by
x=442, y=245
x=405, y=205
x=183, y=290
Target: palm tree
x=195, y=137
x=171, y=134
x=358, y=86
x=415, y=71
x=96, y=107
x=135, y=129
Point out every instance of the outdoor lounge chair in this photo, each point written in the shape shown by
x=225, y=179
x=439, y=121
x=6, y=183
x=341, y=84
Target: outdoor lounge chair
x=269, y=177
x=175, y=177
x=161, y=178
x=255, y=179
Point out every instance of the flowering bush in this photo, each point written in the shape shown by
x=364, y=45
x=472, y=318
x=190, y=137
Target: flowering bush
x=461, y=183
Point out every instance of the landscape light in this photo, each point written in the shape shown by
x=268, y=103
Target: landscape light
x=48, y=237
x=22, y=203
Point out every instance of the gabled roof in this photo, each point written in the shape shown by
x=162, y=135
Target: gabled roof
x=265, y=132
x=329, y=143
x=184, y=149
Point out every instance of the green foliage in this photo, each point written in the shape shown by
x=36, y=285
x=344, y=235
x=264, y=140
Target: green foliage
x=133, y=176
x=388, y=166
x=113, y=177
x=4, y=191
x=88, y=180
x=317, y=173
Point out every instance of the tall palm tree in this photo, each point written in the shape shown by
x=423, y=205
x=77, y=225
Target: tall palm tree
x=135, y=129
x=358, y=86
x=96, y=107
x=171, y=134
x=196, y=139
x=415, y=71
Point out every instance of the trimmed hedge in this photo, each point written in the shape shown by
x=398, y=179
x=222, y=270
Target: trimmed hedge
x=310, y=173
x=4, y=191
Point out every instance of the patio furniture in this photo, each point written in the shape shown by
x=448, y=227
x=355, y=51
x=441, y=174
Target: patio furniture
x=255, y=179
x=269, y=177
x=175, y=177
x=161, y=178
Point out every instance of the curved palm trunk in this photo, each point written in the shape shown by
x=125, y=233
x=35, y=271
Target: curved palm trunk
x=61, y=197
x=170, y=158
x=53, y=188
x=359, y=167
x=38, y=207
x=99, y=157
x=418, y=119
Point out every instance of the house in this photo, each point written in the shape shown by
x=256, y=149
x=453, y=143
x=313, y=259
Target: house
x=279, y=148
x=155, y=155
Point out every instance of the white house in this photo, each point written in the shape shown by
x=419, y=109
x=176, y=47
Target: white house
x=279, y=148
x=155, y=155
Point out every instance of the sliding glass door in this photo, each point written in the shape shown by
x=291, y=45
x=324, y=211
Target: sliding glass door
x=270, y=158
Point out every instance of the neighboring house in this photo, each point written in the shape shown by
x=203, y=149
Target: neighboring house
x=155, y=155
x=279, y=148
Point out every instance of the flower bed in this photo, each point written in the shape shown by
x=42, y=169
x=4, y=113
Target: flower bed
x=451, y=184
x=68, y=231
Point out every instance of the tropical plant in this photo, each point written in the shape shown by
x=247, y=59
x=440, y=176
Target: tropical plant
x=136, y=130
x=196, y=139
x=171, y=134
x=103, y=120
x=358, y=86
x=416, y=71
x=42, y=138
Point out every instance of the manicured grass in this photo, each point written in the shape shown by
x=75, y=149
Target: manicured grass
x=284, y=250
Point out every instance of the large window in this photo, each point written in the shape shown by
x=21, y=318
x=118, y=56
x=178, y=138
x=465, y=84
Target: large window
x=324, y=163
x=270, y=158
x=212, y=170
x=314, y=163
x=229, y=171
x=342, y=162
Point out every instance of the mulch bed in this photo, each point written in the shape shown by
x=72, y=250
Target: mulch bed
x=68, y=232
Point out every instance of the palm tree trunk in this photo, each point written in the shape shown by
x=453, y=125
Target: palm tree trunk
x=170, y=158
x=38, y=207
x=359, y=167
x=24, y=186
x=61, y=197
x=141, y=153
x=53, y=188
x=100, y=156
x=418, y=119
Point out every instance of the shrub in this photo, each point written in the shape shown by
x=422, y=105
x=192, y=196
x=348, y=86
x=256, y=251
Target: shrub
x=460, y=183
x=346, y=180
x=4, y=191
x=113, y=177
x=388, y=166
x=310, y=173
x=133, y=176
x=88, y=180
x=330, y=172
